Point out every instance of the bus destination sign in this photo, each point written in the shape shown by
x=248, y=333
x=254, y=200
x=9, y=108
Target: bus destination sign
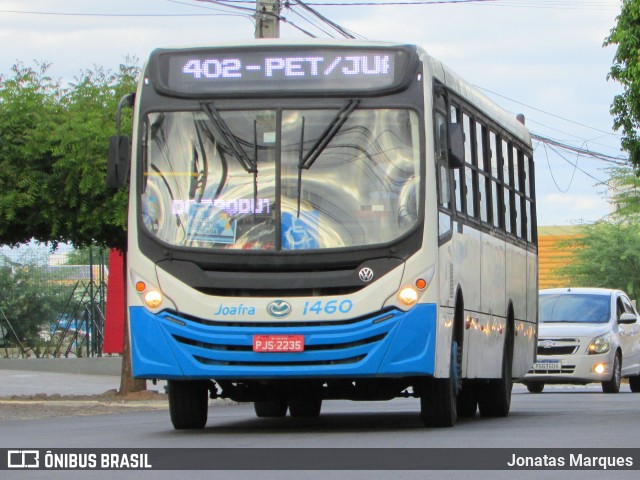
x=224, y=72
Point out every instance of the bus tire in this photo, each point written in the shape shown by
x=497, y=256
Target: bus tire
x=188, y=403
x=438, y=400
x=467, y=402
x=494, y=397
x=305, y=407
x=270, y=408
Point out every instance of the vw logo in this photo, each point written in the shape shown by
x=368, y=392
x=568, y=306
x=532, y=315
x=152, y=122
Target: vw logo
x=278, y=309
x=366, y=274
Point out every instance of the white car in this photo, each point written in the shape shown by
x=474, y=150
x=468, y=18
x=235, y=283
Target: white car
x=586, y=335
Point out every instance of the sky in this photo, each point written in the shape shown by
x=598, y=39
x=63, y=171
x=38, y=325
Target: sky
x=542, y=58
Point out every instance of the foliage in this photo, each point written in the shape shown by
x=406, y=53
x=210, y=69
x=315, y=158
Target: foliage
x=30, y=303
x=626, y=71
x=607, y=255
x=626, y=182
x=87, y=256
x=53, y=151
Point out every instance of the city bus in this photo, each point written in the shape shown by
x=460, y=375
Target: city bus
x=326, y=220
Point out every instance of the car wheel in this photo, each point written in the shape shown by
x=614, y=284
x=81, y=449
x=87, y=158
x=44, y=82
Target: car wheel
x=188, y=404
x=634, y=383
x=270, y=408
x=613, y=385
x=536, y=387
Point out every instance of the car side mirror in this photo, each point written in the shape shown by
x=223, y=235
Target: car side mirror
x=627, y=318
x=456, y=145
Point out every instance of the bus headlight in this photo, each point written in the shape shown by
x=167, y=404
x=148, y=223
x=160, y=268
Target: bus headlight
x=408, y=296
x=153, y=299
x=599, y=345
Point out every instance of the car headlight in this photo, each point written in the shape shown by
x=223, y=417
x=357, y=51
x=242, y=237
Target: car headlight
x=599, y=345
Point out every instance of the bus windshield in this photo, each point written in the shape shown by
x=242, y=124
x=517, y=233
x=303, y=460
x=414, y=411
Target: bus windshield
x=281, y=180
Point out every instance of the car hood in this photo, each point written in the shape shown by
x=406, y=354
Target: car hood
x=547, y=330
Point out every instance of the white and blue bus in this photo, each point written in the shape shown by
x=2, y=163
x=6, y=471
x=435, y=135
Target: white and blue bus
x=326, y=220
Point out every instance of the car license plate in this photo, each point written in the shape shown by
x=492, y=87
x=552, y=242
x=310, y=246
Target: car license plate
x=278, y=343
x=548, y=365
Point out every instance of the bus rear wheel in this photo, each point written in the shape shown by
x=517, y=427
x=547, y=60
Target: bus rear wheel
x=270, y=408
x=467, y=401
x=188, y=403
x=305, y=407
x=494, y=397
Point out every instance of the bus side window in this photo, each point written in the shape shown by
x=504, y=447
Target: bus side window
x=506, y=181
x=458, y=186
x=470, y=186
x=484, y=184
x=441, y=159
x=495, y=180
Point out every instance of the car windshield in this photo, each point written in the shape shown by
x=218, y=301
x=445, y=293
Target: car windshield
x=574, y=308
x=281, y=179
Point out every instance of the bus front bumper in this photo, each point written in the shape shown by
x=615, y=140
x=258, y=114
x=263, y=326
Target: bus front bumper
x=391, y=343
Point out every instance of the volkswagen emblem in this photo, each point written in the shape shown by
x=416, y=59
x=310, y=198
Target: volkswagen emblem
x=366, y=274
x=278, y=309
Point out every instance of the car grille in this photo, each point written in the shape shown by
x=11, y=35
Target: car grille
x=557, y=346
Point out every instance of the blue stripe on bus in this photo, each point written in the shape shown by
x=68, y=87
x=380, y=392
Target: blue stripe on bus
x=393, y=343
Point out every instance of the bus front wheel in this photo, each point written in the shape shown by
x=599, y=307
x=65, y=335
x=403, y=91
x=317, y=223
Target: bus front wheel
x=188, y=403
x=438, y=397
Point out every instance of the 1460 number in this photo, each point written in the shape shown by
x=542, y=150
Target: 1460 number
x=328, y=308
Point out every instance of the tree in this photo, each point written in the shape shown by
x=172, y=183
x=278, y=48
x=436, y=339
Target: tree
x=30, y=303
x=626, y=71
x=607, y=255
x=53, y=153
x=627, y=190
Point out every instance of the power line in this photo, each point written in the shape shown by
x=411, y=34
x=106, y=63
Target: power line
x=544, y=145
x=66, y=14
x=580, y=151
x=332, y=24
x=547, y=113
x=253, y=11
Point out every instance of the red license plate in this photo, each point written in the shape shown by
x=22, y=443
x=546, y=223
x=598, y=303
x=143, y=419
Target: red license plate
x=278, y=343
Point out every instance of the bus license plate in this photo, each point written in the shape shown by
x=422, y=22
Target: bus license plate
x=548, y=365
x=278, y=343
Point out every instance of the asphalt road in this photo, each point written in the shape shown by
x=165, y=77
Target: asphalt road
x=561, y=417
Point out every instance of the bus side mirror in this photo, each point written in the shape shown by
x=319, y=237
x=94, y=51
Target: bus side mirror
x=118, y=161
x=456, y=145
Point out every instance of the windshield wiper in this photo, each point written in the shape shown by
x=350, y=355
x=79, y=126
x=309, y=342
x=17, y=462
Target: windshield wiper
x=325, y=137
x=306, y=161
x=225, y=133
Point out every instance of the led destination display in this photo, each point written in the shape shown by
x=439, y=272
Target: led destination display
x=222, y=72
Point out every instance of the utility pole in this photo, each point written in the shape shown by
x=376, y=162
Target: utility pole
x=267, y=19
